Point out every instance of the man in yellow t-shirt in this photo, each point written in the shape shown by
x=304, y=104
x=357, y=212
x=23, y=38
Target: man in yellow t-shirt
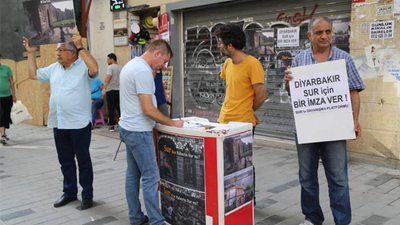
x=244, y=76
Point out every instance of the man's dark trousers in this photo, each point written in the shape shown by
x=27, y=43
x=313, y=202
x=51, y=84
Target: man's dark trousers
x=71, y=143
x=112, y=104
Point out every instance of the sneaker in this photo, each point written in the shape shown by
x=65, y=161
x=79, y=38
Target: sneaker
x=306, y=222
x=5, y=136
x=111, y=128
x=3, y=140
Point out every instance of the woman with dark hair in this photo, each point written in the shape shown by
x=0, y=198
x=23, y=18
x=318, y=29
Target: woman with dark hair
x=7, y=97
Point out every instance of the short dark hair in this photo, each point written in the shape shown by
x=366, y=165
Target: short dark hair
x=312, y=21
x=161, y=45
x=232, y=34
x=112, y=56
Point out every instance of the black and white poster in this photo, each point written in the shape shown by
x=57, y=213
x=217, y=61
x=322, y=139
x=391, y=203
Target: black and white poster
x=182, y=206
x=321, y=102
x=288, y=37
x=48, y=21
x=181, y=160
x=238, y=189
x=238, y=152
x=381, y=30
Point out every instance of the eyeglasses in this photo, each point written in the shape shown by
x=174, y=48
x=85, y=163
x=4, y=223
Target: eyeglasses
x=63, y=50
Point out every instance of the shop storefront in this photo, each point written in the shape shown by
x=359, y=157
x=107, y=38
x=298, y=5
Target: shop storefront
x=200, y=61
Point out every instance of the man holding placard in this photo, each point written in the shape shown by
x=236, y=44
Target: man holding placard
x=323, y=98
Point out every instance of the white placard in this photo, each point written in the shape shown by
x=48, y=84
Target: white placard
x=384, y=10
x=321, y=102
x=165, y=36
x=120, y=23
x=381, y=30
x=119, y=41
x=396, y=8
x=288, y=37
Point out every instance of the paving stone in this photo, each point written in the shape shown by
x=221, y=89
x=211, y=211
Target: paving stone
x=375, y=220
x=101, y=221
x=379, y=180
x=103, y=171
x=284, y=187
x=4, y=176
x=265, y=203
x=17, y=214
x=272, y=220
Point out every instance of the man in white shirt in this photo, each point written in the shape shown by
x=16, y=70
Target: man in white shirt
x=138, y=116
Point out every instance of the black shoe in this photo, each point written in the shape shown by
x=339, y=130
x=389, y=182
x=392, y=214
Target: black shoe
x=86, y=203
x=146, y=220
x=63, y=201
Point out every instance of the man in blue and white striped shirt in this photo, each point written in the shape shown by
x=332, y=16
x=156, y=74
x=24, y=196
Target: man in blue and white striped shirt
x=332, y=153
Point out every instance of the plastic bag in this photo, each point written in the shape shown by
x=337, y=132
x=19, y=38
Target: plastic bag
x=19, y=113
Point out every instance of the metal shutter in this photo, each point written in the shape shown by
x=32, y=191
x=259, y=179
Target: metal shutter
x=204, y=91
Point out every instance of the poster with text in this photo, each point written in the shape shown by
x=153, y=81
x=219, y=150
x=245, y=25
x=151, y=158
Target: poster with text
x=238, y=152
x=288, y=37
x=181, y=160
x=48, y=21
x=384, y=10
x=396, y=8
x=238, y=189
x=182, y=206
x=321, y=102
x=381, y=30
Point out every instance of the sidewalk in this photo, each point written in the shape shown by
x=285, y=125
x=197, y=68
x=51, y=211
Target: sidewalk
x=31, y=180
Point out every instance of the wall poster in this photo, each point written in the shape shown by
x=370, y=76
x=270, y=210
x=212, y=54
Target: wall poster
x=181, y=162
x=381, y=30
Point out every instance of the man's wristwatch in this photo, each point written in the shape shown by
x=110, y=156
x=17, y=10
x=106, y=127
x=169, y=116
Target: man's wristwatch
x=79, y=49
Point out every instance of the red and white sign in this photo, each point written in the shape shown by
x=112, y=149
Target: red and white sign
x=164, y=26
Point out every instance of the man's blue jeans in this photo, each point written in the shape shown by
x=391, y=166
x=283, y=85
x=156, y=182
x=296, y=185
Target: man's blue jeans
x=334, y=159
x=141, y=161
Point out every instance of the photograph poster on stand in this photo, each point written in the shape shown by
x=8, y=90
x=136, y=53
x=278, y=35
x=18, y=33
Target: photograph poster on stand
x=182, y=206
x=238, y=170
x=48, y=21
x=181, y=164
x=238, y=189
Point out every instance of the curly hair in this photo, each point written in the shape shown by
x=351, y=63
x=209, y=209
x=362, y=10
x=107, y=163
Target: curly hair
x=232, y=34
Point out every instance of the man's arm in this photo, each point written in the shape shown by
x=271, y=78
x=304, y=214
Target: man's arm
x=146, y=101
x=260, y=95
x=106, y=83
x=32, y=66
x=84, y=54
x=355, y=102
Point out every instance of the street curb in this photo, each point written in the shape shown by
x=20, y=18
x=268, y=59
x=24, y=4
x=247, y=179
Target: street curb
x=276, y=143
